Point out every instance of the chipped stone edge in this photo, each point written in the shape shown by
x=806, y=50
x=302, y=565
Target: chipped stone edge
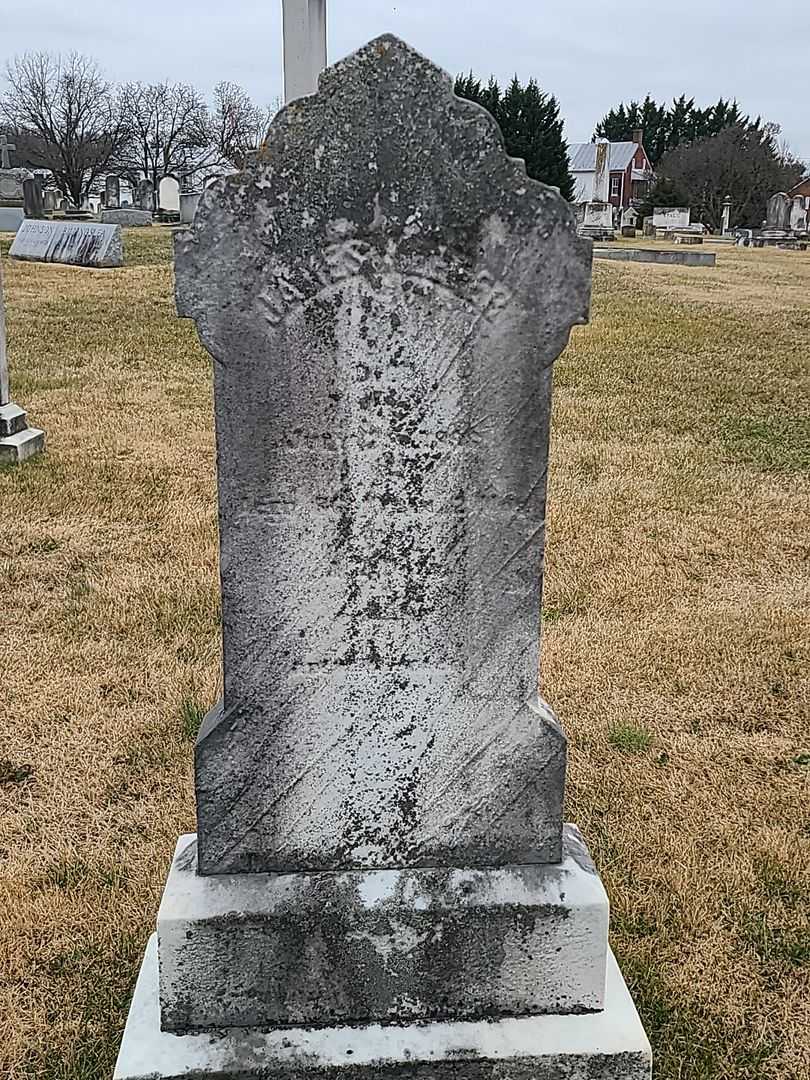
x=286, y=117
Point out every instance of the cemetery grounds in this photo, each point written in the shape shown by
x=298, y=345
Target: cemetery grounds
x=676, y=645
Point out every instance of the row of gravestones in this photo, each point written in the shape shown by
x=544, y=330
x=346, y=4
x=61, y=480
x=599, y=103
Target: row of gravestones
x=382, y=882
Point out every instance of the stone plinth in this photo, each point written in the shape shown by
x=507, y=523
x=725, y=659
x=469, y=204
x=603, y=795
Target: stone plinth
x=606, y=1045
x=597, y=222
x=654, y=255
x=129, y=218
x=18, y=441
x=264, y=950
x=11, y=217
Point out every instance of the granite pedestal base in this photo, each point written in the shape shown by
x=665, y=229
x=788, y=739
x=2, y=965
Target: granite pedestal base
x=18, y=441
x=606, y=1045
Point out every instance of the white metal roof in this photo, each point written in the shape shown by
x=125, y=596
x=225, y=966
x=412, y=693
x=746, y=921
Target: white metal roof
x=583, y=155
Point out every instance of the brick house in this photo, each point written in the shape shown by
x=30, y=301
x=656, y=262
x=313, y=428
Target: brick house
x=631, y=173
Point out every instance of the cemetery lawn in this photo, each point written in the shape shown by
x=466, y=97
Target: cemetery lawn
x=676, y=645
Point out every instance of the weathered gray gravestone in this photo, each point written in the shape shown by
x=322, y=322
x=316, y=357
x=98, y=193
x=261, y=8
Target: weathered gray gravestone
x=112, y=192
x=33, y=205
x=380, y=832
x=777, y=230
x=145, y=195
x=597, y=222
x=18, y=441
x=127, y=217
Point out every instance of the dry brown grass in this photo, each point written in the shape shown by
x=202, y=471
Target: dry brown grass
x=676, y=650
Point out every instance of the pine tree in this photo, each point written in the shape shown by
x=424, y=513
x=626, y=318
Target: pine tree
x=531, y=126
x=667, y=127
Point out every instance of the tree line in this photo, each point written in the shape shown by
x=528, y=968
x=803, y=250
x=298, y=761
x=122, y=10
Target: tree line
x=702, y=155
x=66, y=117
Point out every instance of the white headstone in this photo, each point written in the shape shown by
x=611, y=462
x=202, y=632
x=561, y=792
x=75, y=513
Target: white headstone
x=169, y=193
x=798, y=214
x=76, y=243
x=671, y=217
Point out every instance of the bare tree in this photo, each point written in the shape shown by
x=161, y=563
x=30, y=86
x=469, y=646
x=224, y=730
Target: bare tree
x=67, y=114
x=237, y=125
x=169, y=131
x=744, y=161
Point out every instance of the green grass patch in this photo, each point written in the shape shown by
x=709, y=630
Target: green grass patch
x=192, y=715
x=771, y=443
x=629, y=739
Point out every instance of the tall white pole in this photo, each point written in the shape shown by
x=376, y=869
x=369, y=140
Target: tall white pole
x=5, y=395
x=304, y=34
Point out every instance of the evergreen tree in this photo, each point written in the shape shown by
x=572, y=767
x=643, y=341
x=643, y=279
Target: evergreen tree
x=531, y=126
x=667, y=127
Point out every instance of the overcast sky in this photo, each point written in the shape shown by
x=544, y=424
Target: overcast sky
x=591, y=53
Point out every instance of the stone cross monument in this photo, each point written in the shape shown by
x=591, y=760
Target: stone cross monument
x=11, y=189
x=18, y=441
x=381, y=879
x=5, y=146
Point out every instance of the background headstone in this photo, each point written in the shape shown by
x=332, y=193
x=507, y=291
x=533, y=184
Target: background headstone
x=33, y=205
x=18, y=441
x=169, y=193
x=73, y=242
x=671, y=217
x=798, y=214
x=112, y=192
x=126, y=217
x=145, y=195
x=189, y=200
x=778, y=212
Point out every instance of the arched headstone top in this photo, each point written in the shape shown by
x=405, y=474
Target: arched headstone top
x=342, y=149
x=384, y=292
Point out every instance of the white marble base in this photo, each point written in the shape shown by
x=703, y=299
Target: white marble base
x=607, y=1045
x=270, y=950
x=21, y=446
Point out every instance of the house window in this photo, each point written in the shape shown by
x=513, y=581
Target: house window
x=615, y=182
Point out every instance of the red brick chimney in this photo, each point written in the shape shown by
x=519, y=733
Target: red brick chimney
x=638, y=136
